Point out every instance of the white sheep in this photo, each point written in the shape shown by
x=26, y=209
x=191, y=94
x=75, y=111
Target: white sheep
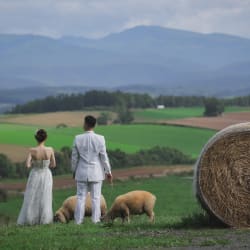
x=67, y=210
x=134, y=202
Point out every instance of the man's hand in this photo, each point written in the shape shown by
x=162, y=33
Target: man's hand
x=109, y=178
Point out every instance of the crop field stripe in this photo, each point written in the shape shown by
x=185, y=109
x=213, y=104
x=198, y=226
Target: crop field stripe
x=129, y=138
x=170, y=113
x=178, y=113
x=185, y=139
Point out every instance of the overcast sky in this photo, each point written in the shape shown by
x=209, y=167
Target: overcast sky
x=96, y=18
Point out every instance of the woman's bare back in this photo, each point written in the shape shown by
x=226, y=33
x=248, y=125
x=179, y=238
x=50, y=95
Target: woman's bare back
x=41, y=153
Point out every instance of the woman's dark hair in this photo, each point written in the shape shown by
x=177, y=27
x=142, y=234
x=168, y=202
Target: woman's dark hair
x=90, y=121
x=41, y=135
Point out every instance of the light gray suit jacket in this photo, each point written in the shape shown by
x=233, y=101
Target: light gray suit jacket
x=89, y=160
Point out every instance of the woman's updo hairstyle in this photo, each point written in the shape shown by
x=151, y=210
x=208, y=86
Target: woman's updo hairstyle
x=41, y=135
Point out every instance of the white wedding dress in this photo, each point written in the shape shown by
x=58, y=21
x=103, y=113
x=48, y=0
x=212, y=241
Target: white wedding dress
x=37, y=203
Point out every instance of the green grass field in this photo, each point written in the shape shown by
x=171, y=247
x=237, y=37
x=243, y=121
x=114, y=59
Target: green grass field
x=181, y=194
x=129, y=138
x=152, y=115
x=175, y=224
x=168, y=113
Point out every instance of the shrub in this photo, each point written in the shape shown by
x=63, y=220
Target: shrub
x=156, y=156
x=61, y=125
x=6, y=166
x=213, y=107
x=3, y=195
x=104, y=118
x=118, y=159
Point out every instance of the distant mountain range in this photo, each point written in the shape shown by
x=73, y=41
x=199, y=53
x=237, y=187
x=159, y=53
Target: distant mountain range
x=143, y=59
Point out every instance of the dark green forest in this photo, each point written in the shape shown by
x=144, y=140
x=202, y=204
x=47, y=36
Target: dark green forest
x=113, y=100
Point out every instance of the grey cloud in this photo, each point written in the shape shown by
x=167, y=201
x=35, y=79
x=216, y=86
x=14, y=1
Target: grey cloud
x=100, y=17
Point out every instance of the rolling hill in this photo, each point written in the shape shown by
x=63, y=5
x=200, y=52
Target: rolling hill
x=143, y=59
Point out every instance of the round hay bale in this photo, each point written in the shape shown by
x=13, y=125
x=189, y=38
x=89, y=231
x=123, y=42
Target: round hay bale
x=222, y=176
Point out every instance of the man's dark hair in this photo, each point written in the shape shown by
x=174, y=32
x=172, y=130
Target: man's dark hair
x=90, y=121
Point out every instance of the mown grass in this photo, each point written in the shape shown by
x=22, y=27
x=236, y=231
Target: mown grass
x=236, y=109
x=176, y=202
x=129, y=138
x=134, y=236
x=169, y=209
x=175, y=225
x=154, y=115
x=168, y=113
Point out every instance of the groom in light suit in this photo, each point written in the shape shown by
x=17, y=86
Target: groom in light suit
x=90, y=164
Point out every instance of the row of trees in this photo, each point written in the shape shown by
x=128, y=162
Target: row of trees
x=154, y=156
x=117, y=101
x=91, y=99
x=118, y=159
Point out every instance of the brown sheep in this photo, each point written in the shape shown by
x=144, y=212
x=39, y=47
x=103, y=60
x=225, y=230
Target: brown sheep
x=134, y=202
x=66, y=212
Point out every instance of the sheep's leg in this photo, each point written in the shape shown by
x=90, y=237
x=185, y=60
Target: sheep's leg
x=125, y=218
x=128, y=219
x=151, y=216
x=125, y=213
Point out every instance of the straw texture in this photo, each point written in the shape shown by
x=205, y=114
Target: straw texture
x=222, y=176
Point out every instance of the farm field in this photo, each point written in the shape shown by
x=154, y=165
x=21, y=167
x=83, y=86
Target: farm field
x=179, y=223
x=179, y=219
x=129, y=138
x=161, y=115
x=16, y=153
x=16, y=131
x=216, y=123
x=70, y=118
x=151, y=115
x=74, y=118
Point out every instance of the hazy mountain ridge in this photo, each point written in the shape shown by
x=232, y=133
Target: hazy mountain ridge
x=166, y=61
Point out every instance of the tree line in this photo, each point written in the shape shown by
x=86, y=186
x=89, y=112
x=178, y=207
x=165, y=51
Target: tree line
x=117, y=100
x=118, y=159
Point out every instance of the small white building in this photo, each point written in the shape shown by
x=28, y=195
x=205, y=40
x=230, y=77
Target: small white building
x=160, y=107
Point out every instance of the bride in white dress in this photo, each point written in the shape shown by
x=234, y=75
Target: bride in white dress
x=37, y=203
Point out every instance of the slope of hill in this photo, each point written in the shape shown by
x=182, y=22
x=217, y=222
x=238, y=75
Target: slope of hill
x=173, y=61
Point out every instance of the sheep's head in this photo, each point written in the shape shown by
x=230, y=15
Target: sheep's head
x=108, y=217
x=59, y=217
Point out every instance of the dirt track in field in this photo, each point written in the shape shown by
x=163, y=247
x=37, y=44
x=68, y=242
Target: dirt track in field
x=216, y=123
x=118, y=174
